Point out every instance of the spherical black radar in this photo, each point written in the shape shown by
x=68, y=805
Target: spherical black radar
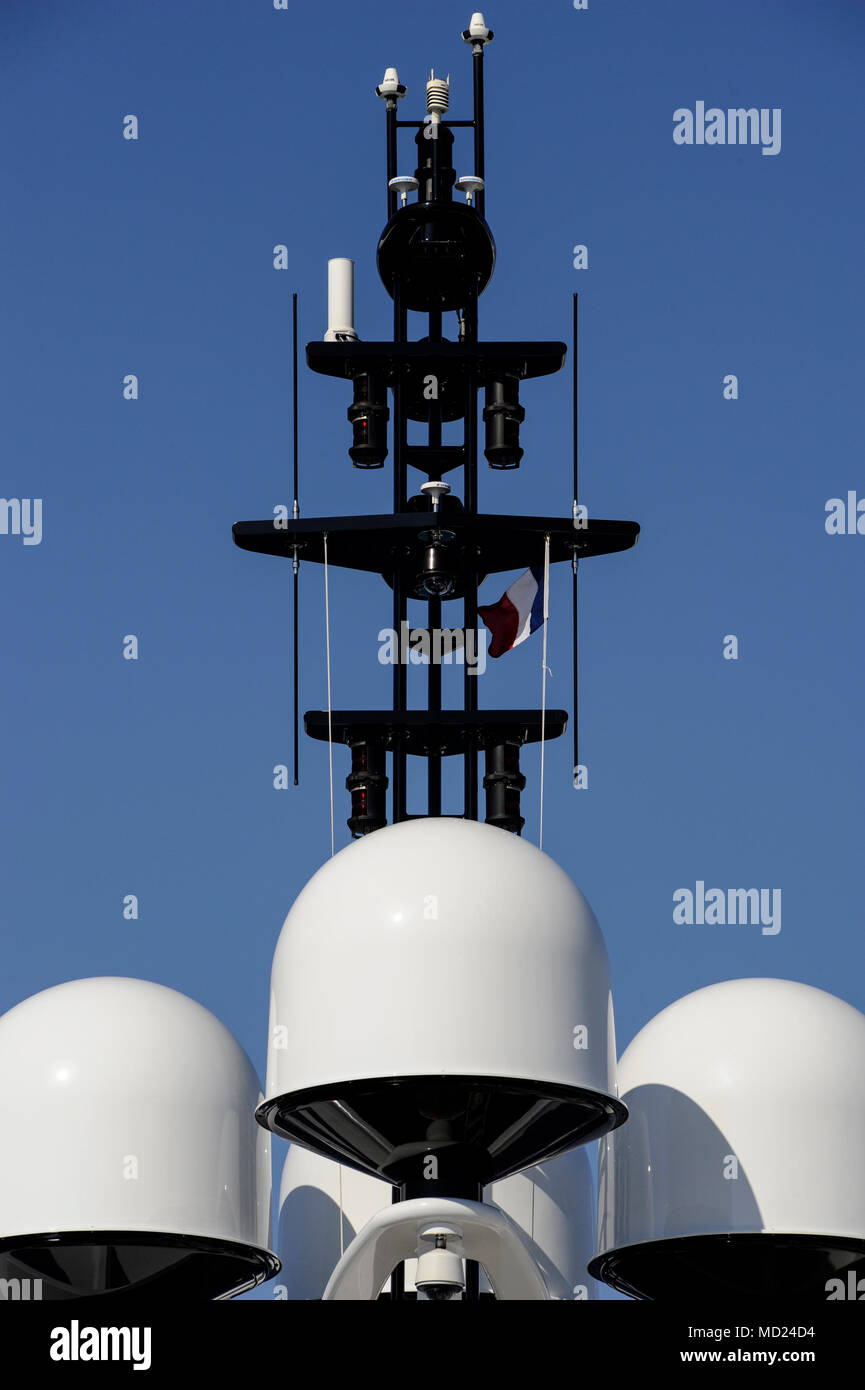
x=436, y=253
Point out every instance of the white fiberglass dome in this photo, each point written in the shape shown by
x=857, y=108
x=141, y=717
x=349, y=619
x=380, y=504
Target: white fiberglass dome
x=441, y=987
x=130, y=1160
x=740, y=1168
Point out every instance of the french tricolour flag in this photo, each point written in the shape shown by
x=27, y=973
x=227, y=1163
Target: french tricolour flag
x=518, y=613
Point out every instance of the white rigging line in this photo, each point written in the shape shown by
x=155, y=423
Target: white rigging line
x=329, y=702
x=341, y=1224
x=544, y=681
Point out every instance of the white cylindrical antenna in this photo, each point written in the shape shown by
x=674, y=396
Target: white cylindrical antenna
x=340, y=301
x=437, y=95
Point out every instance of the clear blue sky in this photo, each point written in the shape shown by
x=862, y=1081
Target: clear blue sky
x=154, y=257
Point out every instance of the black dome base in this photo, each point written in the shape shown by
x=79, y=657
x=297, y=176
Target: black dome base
x=479, y=1129
x=54, y=1266
x=761, y=1266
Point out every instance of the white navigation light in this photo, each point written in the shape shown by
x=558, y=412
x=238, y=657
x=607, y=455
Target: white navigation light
x=739, y=1171
x=340, y=301
x=130, y=1158
x=440, y=1004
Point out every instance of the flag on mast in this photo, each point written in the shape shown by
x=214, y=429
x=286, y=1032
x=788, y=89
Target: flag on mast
x=518, y=613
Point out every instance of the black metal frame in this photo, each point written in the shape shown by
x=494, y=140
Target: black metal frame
x=476, y=544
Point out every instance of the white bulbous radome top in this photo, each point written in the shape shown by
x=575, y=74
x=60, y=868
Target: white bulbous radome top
x=759, y=1040
x=747, y=1115
x=440, y=946
x=152, y=1102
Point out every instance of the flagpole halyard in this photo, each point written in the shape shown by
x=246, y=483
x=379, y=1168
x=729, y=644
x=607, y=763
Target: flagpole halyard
x=544, y=683
x=329, y=700
x=295, y=511
x=575, y=562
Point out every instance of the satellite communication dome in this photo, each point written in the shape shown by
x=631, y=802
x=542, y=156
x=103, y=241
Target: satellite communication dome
x=739, y=1171
x=441, y=1008
x=554, y=1204
x=131, y=1162
x=323, y=1205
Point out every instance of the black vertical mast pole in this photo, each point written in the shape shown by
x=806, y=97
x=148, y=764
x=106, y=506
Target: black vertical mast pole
x=397, y=1280
x=472, y=1292
x=392, y=195
x=434, y=682
x=470, y=607
x=400, y=605
x=470, y=677
x=478, y=75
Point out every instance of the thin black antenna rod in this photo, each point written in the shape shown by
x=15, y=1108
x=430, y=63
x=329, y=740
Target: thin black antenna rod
x=296, y=508
x=478, y=74
x=295, y=513
x=575, y=561
x=392, y=171
x=392, y=91
x=576, y=397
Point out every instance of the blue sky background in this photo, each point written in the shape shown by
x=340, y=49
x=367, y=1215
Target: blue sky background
x=155, y=257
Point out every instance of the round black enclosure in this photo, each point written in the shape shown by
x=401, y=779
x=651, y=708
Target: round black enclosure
x=760, y=1266
x=440, y=253
x=54, y=1266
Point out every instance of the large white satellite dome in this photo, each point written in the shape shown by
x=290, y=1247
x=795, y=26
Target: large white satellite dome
x=441, y=987
x=739, y=1171
x=130, y=1160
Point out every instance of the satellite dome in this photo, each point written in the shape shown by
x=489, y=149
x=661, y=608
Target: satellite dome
x=441, y=991
x=130, y=1161
x=739, y=1171
x=323, y=1205
x=554, y=1204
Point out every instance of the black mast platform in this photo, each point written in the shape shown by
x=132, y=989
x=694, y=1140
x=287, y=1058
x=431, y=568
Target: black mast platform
x=435, y=256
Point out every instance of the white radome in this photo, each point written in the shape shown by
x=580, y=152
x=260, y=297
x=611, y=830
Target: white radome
x=747, y=1115
x=440, y=946
x=129, y=1108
